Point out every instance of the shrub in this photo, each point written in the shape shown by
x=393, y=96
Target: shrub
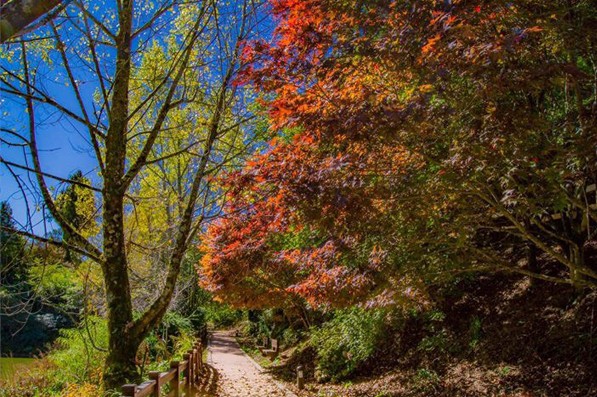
x=81, y=353
x=220, y=316
x=82, y=390
x=173, y=337
x=290, y=337
x=161, y=360
x=175, y=323
x=32, y=381
x=475, y=332
x=199, y=323
x=437, y=339
x=75, y=366
x=58, y=285
x=426, y=381
x=343, y=343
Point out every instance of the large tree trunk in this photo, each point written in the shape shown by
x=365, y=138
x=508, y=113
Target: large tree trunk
x=120, y=366
x=123, y=342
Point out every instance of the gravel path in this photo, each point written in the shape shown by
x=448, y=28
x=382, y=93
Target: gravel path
x=237, y=375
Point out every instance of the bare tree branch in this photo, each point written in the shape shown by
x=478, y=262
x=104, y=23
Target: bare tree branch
x=16, y=15
x=64, y=224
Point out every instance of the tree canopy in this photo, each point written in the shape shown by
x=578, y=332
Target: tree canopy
x=413, y=142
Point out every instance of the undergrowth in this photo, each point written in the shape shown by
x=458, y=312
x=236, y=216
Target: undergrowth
x=74, y=367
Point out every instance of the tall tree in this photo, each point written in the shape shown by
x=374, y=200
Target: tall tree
x=77, y=205
x=13, y=267
x=151, y=86
x=417, y=141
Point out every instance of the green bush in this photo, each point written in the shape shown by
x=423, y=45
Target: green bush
x=75, y=365
x=475, y=332
x=172, y=337
x=57, y=284
x=34, y=380
x=73, y=368
x=221, y=316
x=426, y=381
x=81, y=353
x=198, y=321
x=291, y=337
x=346, y=341
x=436, y=339
x=161, y=354
x=435, y=343
x=174, y=324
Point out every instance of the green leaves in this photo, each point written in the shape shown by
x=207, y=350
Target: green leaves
x=346, y=341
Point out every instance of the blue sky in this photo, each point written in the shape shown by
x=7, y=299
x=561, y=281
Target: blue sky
x=62, y=151
x=63, y=143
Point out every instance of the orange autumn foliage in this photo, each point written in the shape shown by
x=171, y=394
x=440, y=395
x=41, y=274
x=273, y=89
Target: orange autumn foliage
x=395, y=120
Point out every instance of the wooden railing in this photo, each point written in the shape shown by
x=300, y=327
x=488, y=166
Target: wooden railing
x=180, y=379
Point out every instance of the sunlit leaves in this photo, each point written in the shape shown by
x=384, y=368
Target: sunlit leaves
x=409, y=118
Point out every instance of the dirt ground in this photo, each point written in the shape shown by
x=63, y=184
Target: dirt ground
x=235, y=374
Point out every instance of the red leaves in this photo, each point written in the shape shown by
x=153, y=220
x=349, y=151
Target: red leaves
x=361, y=91
x=534, y=29
x=431, y=42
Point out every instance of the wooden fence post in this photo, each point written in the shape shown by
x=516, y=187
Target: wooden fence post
x=196, y=363
x=300, y=377
x=129, y=390
x=155, y=375
x=175, y=382
x=199, y=355
x=191, y=367
x=187, y=373
x=191, y=374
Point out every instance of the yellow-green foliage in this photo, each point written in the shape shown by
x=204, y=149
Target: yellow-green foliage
x=82, y=390
x=75, y=366
x=77, y=204
x=173, y=337
x=56, y=280
x=81, y=353
x=32, y=381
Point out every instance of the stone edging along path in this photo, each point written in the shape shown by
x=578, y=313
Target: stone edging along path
x=239, y=375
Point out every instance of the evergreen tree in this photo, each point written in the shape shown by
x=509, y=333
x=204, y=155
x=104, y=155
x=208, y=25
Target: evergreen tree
x=13, y=267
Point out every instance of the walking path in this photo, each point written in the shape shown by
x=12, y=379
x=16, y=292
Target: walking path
x=237, y=374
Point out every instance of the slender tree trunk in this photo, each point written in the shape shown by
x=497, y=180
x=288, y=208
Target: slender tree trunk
x=532, y=263
x=577, y=256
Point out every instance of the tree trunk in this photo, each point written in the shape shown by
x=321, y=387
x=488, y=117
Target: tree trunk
x=577, y=256
x=532, y=264
x=15, y=15
x=120, y=365
x=123, y=344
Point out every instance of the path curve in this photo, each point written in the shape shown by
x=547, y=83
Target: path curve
x=239, y=376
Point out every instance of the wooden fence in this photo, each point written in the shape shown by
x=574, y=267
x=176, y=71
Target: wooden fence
x=180, y=379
